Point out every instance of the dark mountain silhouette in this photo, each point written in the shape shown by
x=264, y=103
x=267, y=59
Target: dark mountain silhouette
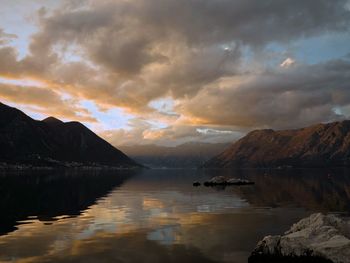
x=315, y=146
x=53, y=142
x=187, y=155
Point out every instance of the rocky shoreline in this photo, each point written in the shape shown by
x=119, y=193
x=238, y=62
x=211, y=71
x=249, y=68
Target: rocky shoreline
x=63, y=165
x=317, y=238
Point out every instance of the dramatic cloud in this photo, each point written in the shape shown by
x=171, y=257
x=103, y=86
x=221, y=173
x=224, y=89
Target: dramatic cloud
x=44, y=101
x=281, y=99
x=227, y=65
x=142, y=132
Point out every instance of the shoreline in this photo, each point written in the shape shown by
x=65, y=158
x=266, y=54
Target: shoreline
x=69, y=166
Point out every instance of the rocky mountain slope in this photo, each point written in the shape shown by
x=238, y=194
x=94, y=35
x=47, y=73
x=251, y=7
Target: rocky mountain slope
x=53, y=142
x=315, y=146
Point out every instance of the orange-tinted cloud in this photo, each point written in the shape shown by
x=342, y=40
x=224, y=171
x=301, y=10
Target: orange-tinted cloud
x=45, y=101
x=214, y=59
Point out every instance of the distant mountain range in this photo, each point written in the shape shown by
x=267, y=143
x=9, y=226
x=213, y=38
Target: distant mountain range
x=315, y=146
x=188, y=155
x=51, y=142
x=24, y=140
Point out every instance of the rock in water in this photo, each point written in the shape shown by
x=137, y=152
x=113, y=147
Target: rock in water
x=239, y=181
x=218, y=180
x=317, y=238
x=196, y=183
x=221, y=180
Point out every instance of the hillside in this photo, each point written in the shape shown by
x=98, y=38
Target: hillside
x=315, y=146
x=24, y=140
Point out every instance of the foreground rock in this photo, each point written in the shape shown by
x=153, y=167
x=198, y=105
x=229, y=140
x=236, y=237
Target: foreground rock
x=318, y=238
x=221, y=180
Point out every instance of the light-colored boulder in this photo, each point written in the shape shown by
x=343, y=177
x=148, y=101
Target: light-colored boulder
x=324, y=236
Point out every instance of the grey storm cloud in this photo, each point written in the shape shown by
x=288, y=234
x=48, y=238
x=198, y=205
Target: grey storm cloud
x=128, y=31
x=252, y=22
x=287, y=98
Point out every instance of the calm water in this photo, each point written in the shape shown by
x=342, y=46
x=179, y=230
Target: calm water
x=156, y=215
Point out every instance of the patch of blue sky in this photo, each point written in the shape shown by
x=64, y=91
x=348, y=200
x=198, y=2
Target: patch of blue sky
x=247, y=53
x=114, y=118
x=22, y=30
x=276, y=53
x=21, y=82
x=157, y=124
x=65, y=96
x=327, y=47
x=20, y=43
x=18, y=17
x=312, y=50
x=69, y=53
x=343, y=112
x=337, y=110
x=28, y=110
x=165, y=105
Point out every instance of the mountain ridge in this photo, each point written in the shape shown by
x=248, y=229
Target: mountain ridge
x=51, y=141
x=314, y=146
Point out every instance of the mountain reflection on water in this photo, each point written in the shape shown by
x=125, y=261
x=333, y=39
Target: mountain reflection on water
x=46, y=195
x=156, y=215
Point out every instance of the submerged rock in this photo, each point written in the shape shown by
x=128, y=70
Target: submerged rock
x=317, y=238
x=221, y=180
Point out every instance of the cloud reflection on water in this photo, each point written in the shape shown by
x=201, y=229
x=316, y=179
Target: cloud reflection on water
x=157, y=216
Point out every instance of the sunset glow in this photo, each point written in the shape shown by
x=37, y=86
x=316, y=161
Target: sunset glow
x=136, y=72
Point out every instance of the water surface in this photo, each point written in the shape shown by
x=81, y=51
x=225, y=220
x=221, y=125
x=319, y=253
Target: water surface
x=156, y=215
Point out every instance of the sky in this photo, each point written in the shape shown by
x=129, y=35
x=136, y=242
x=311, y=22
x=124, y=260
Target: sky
x=174, y=71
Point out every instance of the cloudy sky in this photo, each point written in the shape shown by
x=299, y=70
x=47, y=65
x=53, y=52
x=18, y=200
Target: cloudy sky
x=171, y=71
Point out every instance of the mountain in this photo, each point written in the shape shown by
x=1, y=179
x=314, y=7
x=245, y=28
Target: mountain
x=24, y=140
x=188, y=155
x=315, y=146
